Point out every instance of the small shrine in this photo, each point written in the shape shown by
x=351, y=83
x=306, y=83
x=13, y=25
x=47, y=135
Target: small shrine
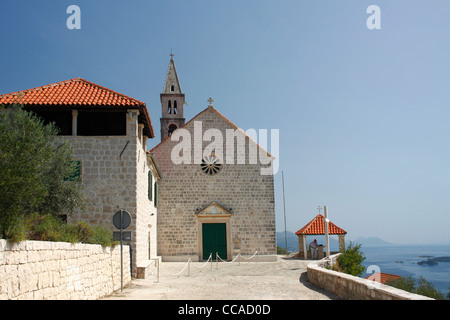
x=317, y=227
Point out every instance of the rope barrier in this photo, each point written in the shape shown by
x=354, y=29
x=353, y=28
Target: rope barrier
x=210, y=260
x=228, y=261
x=210, y=257
x=251, y=256
x=187, y=264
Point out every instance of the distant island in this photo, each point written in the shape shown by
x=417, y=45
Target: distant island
x=433, y=261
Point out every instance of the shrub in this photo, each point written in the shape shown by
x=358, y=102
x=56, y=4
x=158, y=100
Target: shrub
x=420, y=286
x=16, y=228
x=51, y=228
x=350, y=261
x=46, y=228
x=103, y=237
x=281, y=250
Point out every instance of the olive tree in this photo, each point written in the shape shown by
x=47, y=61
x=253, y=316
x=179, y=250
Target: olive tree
x=34, y=167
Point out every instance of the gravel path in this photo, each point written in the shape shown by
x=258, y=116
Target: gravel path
x=285, y=279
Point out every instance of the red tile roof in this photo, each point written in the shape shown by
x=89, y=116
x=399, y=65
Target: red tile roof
x=77, y=92
x=317, y=226
x=71, y=92
x=383, y=277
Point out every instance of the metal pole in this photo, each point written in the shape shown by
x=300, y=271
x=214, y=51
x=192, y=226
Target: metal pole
x=157, y=270
x=327, y=237
x=284, y=205
x=217, y=261
x=189, y=266
x=121, y=251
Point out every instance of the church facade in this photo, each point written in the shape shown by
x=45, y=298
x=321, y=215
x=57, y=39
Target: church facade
x=213, y=198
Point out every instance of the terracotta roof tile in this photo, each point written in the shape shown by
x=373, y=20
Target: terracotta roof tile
x=71, y=92
x=78, y=92
x=383, y=277
x=317, y=226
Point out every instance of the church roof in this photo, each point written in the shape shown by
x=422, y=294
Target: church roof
x=211, y=109
x=77, y=92
x=317, y=226
x=172, y=84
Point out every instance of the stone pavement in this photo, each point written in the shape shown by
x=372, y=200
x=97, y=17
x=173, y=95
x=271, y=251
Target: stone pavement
x=285, y=279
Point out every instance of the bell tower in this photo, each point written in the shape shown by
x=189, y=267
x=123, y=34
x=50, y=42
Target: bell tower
x=172, y=103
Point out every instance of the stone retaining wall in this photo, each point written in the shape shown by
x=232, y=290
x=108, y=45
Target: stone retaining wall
x=35, y=270
x=353, y=288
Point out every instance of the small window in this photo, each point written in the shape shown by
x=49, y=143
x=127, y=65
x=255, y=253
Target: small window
x=172, y=88
x=170, y=106
x=150, y=186
x=75, y=175
x=156, y=195
x=175, y=107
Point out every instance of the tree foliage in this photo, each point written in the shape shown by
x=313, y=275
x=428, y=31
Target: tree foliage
x=420, y=286
x=351, y=259
x=33, y=167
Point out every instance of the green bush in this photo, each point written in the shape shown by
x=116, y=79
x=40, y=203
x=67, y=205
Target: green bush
x=350, y=261
x=420, y=286
x=46, y=228
x=281, y=250
x=51, y=228
x=16, y=228
x=103, y=237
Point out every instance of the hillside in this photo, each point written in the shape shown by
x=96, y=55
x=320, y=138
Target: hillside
x=372, y=241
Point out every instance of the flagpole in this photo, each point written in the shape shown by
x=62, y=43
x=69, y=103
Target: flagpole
x=327, y=237
x=284, y=205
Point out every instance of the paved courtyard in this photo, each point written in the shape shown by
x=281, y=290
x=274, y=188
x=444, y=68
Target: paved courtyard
x=285, y=279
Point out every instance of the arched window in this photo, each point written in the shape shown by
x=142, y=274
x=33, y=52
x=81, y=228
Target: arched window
x=170, y=106
x=172, y=128
x=172, y=88
x=175, y=107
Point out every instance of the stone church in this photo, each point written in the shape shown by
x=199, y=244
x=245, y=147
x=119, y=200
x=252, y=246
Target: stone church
x=215, y=199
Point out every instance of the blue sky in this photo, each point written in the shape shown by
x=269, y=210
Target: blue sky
x=363, y=114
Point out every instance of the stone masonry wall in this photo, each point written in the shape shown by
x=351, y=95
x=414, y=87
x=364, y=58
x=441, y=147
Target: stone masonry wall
x=349, y=287
x=114, y=173
x=185, y=188
x=39, y=270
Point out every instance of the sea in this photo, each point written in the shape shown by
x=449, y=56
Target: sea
x=403, y=260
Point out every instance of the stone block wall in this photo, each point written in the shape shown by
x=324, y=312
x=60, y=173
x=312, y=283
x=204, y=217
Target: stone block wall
x=114, y=173
x=40, y=270
x=349, y=287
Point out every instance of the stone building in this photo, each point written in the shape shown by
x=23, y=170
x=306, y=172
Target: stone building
x=108, y=132
x=212, y=197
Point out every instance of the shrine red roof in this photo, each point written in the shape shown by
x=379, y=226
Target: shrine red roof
x=317, y=226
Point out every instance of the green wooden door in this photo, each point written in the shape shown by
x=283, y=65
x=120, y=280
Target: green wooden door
x=214, y=240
